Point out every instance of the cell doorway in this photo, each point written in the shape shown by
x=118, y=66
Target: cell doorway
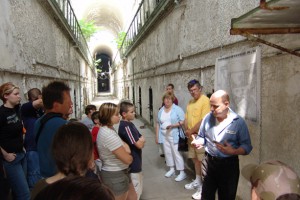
x=103, y=72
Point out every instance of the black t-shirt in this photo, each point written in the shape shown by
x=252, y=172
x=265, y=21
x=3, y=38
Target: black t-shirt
x=129, y=134
x=11, y=130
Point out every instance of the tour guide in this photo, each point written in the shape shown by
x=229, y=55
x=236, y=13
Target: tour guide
x=224, y=135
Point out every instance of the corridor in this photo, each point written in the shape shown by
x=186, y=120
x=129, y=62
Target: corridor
x=156, y=186
x=132, y=49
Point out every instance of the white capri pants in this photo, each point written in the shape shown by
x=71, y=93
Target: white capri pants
x=172, y=155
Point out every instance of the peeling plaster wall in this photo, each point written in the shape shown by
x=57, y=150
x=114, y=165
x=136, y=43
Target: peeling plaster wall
x=34, y=50
x=185, y=46
x=280, y=109
x=197, y=42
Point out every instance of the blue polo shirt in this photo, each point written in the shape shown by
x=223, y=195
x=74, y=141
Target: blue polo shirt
x=233, y=130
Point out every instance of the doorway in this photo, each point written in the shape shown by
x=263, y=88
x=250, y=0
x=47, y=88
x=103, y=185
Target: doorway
x=140, y=101
x=151, y=106
x=103, y=73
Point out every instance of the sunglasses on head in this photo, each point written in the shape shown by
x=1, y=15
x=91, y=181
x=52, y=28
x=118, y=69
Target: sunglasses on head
x=194, y=81
x=11, y=89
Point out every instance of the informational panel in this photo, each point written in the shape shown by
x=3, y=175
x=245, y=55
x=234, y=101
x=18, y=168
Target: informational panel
x=239, y=75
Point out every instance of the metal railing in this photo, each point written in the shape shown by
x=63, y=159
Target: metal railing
x=66, y=12
x=144, y=13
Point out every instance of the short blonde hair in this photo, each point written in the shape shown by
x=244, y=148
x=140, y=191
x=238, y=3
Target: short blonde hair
x=168, y=95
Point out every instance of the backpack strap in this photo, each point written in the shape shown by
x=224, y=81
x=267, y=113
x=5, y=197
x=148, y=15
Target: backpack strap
x=43, y=121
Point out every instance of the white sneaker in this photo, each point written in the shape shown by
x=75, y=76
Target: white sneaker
x=170, y=173
x=193, y=185
x=197, y=195
x=181, y=177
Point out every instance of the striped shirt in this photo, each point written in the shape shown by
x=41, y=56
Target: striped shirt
x=108, y=141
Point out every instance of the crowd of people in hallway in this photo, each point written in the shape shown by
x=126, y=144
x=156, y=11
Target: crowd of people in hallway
x=46, y=155
x=216, y=137
x=58, y=150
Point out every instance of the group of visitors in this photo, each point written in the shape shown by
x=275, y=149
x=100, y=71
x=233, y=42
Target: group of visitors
x=89, y=159
x=57, y=152
x=216, y=136
x=172, y=120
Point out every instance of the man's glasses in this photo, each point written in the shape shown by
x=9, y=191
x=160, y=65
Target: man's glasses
x=194, y=90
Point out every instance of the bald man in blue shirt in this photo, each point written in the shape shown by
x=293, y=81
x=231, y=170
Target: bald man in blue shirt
x=224, y=135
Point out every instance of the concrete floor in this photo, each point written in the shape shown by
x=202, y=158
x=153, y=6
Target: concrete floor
x=156, y=186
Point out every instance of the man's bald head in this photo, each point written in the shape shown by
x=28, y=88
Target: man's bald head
x=221, y=94
x=219, y=104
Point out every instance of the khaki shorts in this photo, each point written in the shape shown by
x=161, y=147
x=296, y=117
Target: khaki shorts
x=117, y=181
x=137, y=181
x=195, y=153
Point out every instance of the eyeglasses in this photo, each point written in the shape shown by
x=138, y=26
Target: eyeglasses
x=194, y=90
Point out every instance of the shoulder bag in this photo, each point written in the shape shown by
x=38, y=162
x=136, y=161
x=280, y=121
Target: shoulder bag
x=183, y=140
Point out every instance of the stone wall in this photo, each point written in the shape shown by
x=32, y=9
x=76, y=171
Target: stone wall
x=185, y=46
x=35, y=50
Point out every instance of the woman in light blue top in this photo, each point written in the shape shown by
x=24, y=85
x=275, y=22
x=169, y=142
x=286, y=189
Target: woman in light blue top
x=170, y=116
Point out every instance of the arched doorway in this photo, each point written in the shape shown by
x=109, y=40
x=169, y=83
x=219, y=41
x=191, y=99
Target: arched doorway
x=103, y=72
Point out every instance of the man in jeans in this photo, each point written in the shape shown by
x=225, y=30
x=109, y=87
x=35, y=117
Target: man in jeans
x=196, y=109
x=30, y=112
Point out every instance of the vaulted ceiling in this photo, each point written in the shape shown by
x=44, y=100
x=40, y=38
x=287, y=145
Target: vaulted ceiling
x=111, y=17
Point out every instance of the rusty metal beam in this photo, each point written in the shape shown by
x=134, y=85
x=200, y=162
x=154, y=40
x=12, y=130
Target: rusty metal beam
x=264, y=5
x=257, y=39
x=265, y=31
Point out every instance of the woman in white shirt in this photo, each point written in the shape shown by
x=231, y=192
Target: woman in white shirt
x=114, y=154
x=170, y=117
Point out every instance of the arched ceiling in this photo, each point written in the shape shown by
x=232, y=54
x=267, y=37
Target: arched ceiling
x=112, y=16
x=102, y=41
x=106, y=16
x=103, y=49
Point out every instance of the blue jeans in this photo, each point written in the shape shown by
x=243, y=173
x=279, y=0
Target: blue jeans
x=33, y=168
x=4, y=186
x=15, y=172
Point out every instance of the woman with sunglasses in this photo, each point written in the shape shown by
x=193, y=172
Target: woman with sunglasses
x=11, y=141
